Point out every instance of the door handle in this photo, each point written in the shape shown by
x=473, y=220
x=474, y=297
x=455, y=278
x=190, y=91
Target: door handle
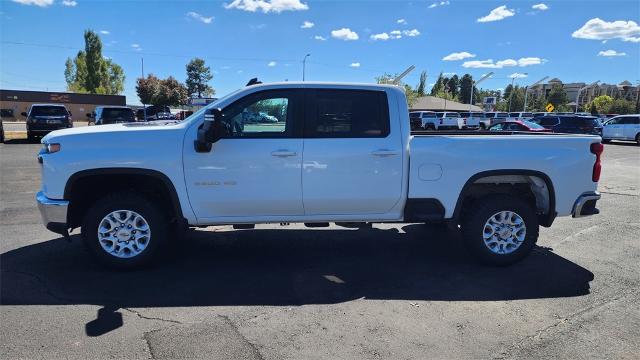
x=283, y=153
x=384, y=153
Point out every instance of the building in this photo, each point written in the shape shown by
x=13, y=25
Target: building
x=624, y=90
x=14, y=102
x=432, y=103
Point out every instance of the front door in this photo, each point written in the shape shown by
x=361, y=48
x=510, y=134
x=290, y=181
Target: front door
x=256, y=170
x=613, y=129
x=352, y=160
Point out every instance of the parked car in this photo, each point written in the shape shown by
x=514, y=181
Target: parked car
x=570, y=124
x=450, y=121
x=518, y=125
x=44, y=118
x=623, y=127
x=155, y=113
x=520, y=116
x=103, y=115
x=421, y=120
x=476, y=120
x=496, y=117
x=352, y=154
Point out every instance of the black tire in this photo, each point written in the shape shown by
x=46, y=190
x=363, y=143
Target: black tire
x=30, y=137
x=638, y=139
x=473, y=227
x=482, y=126
x=430, y=127
x=606, y=141
x=156, y=219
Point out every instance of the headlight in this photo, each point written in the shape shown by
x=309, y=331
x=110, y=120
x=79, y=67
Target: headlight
x=51, y=148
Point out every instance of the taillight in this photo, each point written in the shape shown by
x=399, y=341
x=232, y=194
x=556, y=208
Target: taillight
x=596, y=149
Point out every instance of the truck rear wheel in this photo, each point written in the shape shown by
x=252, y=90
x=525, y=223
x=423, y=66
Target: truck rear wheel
x=125, y=231
x=500, y=229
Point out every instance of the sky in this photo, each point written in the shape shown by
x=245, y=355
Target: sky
x=348, y=41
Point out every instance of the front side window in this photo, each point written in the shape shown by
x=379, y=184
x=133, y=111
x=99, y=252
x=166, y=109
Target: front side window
x=347, y=113
x=497, y=127
x=265, y=114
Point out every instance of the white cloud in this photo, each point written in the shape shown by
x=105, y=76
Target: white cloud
x=401, y=21
x=609, y=53
x=321, y=38
x=272, y=64
x=204, y=19
x=541, y=7
x=598, y=29
x=517, y=76
x=489, y=64
x=136, y=47
x=396, y=34
x=498, y=13
x=345, y=34
x=448, y=74
x=411, y=33
x=266, y=6
x=441, y=3
x=355, y=65
x=307, y=25
x=41, y=3
x=70, y=3
x=104, y=32
x=458, y=56
x=382, y=36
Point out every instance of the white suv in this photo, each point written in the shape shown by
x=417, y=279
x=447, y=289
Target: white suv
x=476, y=120
x=423, y=120
x=623, y=127
x=450, y=120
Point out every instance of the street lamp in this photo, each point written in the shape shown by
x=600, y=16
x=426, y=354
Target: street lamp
x=584, y=88
x=526, y=90
x=473, y=85
x=304, y=65
x=513, y=78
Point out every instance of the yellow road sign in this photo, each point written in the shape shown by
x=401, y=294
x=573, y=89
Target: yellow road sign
x=549, y=107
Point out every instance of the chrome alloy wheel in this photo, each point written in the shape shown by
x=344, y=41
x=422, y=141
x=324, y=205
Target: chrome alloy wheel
x=124, y=233
x=504, y=232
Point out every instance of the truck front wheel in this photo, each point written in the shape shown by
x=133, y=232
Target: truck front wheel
x=125, y=230
x=500, y=229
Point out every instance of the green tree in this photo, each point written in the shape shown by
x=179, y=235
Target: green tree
x=90, y=72
x=148, y=88
x=452, y=84
x=411, y=95
x=592, y=109
x=165, y=92
x=422, y=84
x=198, y=76
x=558, y=97
x=602, y=104
x=622, y=107
x=466, y=82
x=438, y=85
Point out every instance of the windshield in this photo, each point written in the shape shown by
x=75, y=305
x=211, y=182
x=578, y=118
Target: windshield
x=48, y=111
x=533, y=125
x=117, y=114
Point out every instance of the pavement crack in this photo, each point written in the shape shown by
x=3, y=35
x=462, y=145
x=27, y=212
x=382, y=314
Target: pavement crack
x=621, y=194
x=237, y=330
x=138, y=314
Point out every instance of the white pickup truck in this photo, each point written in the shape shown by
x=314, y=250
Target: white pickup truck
x=339, y=153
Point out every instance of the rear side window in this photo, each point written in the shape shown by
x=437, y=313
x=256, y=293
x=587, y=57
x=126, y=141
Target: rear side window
x=477, y=114
x=630, y=120
x=347, y=113
x=579, y=121
x=548, y=121
x=48, y=111
x=465, y=114
x=502, y=115
x=454, y=115
x=429, y=115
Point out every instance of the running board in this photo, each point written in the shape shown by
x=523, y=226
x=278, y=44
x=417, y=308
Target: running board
x=244, y=226
x=316, y=225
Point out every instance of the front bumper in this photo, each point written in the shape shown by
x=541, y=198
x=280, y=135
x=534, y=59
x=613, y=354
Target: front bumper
x=586, y=205
x=54, y=213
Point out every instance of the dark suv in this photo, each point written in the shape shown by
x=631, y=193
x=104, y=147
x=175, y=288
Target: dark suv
x=571, y=124
x=103, y=115
x=155, y=113
x=45, y=118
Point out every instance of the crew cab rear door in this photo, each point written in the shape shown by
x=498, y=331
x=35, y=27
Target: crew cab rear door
x=352, y=162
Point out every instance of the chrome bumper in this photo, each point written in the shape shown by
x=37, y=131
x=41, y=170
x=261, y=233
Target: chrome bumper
x=586, y=205
x=54, y=213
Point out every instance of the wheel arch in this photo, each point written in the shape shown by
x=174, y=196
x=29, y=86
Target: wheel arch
x=506, y=177
x=106, y=180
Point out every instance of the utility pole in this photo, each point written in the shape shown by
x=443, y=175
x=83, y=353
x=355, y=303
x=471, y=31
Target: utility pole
x=304, y=65
x=473, y=85
x=526, y=91
x=144, y=107
x=513, y=78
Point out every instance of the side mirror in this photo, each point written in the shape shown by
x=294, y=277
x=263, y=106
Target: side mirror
x=213, y=129
x=23, y=114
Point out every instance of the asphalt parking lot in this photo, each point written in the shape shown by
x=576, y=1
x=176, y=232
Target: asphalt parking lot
x=394, y=291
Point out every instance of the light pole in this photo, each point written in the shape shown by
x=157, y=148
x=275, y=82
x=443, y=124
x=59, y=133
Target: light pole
x=526, y=90
x=473, y=85
x=304, y=65
x=584, y=88
x=513, y=78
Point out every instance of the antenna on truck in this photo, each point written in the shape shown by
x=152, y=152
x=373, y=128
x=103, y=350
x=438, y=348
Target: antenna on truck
x=254, y=81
